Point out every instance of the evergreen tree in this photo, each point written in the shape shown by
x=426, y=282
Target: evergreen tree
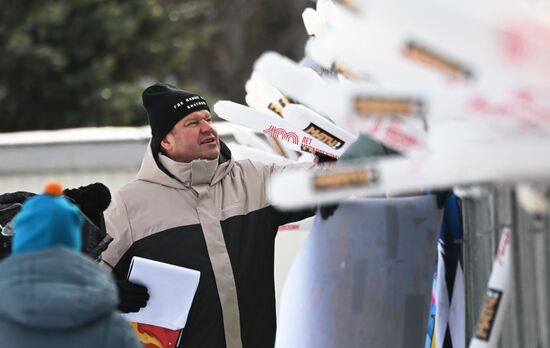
x=77, y=63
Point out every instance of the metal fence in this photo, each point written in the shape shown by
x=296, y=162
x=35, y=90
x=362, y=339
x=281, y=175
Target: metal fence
x=487, y=210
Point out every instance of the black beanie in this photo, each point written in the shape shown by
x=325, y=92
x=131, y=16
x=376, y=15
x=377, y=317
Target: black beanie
x=166, y=105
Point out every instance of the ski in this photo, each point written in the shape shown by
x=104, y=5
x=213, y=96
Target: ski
x=273, y=126
x=457, y=163
x=241, y=152
x=318, y=127
x=497, y=297
x=247, y=137
x=353, y=108
x=357, y=107
x=399, y=34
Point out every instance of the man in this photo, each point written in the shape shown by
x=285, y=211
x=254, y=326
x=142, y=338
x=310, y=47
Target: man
x=193, y=205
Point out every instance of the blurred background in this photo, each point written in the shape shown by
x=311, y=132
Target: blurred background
x=83, y=63
x=71, y=77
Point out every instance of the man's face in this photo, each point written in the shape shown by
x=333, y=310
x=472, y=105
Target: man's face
x=191, y=138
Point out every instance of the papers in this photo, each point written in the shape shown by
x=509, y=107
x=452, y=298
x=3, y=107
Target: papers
x=171, y=290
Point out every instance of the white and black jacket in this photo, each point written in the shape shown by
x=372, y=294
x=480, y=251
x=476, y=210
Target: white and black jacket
x=212, y=216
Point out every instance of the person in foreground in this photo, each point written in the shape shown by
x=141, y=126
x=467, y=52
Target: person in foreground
x=193, y=205
x=51, y=294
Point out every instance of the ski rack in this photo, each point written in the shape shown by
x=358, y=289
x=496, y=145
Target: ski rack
x=487, y=211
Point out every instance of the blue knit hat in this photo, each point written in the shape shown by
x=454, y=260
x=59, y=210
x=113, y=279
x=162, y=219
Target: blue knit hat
x=47, y=220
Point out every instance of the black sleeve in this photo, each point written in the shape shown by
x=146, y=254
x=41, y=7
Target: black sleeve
x=286, y=217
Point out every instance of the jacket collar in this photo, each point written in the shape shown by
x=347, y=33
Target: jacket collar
x=193, y=173
x=167, y=172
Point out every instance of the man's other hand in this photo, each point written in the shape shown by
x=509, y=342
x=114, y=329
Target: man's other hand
x=131, y=296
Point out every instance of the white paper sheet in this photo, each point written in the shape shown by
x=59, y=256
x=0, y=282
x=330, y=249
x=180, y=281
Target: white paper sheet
x=171, y=290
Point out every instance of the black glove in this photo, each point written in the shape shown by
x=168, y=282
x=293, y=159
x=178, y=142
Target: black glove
x=131, y=296
x=322, y=158
x=92, y=200
x=326, y=211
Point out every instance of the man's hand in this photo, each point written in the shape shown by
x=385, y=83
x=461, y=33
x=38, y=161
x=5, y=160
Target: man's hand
x=92, y=200
x=131, y=296
x=327, y=211
x=322, y=158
